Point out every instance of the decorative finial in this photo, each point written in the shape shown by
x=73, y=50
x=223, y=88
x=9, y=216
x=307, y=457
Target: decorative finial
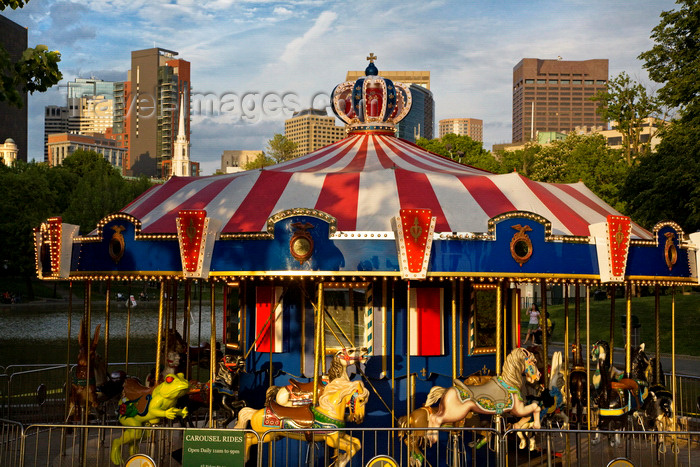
x=371, y=69
x=371, y=57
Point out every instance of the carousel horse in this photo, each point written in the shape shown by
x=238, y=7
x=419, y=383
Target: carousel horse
x=657, y=411
x=337, y=396
x=141, y=405
x=616, y=400
x=552, y=402
x=83, y=389
x=418, y=440
x=225, y=390
x=297, y=393
x=497, y=396
x=578, y=392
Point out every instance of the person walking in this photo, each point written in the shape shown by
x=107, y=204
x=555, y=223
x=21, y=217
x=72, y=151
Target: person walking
x=534, y=314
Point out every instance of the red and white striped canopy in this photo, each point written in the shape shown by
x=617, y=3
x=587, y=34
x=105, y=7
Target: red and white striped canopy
x=363, y=181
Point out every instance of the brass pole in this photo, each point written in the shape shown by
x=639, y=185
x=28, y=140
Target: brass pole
x=461, y=327
x=322, y=337
x=673, y=357
x=383, y=349
x=302, y=354
x=408, y=347
x=545, y=339
x=272, y=319
x=212, y=354
x=88, y=372
x=628, y=333
x=317, y=342
x=499, y=329
x=657, y=337
x=565, y=370
x=393, y=353
x=160, y=328
x=107, y=303
x=128, y=328
x=577, y=328
x=588, y=360
x=186, y=325
x=70, y=317
x=612, y=325
x=454, y=330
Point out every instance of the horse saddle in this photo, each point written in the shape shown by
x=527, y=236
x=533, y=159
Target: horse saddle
x=302, y=393
x=494, y=395
x=135, y=391
x=288, y=417
x=625, y=384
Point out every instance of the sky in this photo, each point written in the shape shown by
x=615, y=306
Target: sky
x=258, y=61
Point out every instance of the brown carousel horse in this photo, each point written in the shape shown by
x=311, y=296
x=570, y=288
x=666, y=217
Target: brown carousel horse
x=337, y=396
x=83, y=389
x=497, y=396
x=298, y=393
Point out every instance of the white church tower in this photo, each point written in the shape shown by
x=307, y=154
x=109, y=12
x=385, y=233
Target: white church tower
x=181, y=148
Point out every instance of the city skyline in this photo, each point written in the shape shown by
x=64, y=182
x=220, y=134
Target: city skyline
x=470, y=49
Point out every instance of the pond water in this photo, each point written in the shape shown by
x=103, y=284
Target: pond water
x=31, y=333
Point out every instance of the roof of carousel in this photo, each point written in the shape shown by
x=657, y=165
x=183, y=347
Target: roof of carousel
x=363, y=181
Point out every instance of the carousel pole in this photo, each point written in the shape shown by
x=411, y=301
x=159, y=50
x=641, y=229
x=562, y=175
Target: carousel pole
x=454, y=330
x=500, y=445
x=186, y=325
x=160, y=329
x=212, y=353
x=270, y=335
x=84, y=421
x=199, y=324
x=317, y=342
x=128, y=328
x=628, y=333
x=393, y=353
x=68, y=381
x=545, y=328
x=657, y=337
x=107, y=303
x=612, y=325
x=566, y=364
x=408, y=359
x=673, y=364
x=588, y=369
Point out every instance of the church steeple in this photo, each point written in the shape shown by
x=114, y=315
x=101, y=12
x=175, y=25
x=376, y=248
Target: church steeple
x=181, y=148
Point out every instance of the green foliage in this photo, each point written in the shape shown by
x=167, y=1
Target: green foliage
x=666, y=185
x=462, y=149
x=675, y=58
x=82, y=191
x=259, y=162
x=520, y=160
x=627, y=103
x=36, y=70
x=280, y=149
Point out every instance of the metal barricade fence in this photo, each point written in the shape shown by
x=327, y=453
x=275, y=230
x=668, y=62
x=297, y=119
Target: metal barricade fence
x=688, y=396
x=37, y=395
x=90, y=445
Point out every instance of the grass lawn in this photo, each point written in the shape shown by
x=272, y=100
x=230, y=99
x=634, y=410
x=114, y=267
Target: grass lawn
x=687, y=309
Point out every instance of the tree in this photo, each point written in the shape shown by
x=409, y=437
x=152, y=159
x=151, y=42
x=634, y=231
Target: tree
x=675, y=58
x=666, y=186
x=462, y=149
x=259, y=162
x=280, y=149
x=627, y=104
x=520, y=160
x=36, y=69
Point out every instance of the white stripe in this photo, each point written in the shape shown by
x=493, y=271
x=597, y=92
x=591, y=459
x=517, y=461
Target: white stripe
x=302, y=191
x=438, y=162
x=316, y=161
x=413, y=314
x=279, y=321
x=377, y=201
x=461, y=210
x=144, y=199
x=224, y=205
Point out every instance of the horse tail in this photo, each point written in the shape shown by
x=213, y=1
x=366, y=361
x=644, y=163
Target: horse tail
x=434, y=395
x=244, y=416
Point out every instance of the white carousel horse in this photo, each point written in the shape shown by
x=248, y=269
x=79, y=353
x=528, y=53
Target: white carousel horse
x=499, y=395
x=297, y=393
x=337, y=396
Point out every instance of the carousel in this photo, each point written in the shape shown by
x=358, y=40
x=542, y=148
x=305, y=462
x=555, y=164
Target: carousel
x=359, y=278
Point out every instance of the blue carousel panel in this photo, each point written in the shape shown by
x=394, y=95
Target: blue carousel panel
x=665, y=259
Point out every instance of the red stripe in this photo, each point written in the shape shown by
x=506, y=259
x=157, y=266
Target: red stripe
x=263, y=307
x=338, y=198
x=304, y=160
x=416, y=192
x=199, y=200
x=574, y=223
x=164, y=192
x=358, y=162
x=428, y=314
x=258, y=204
x=149, y=192
x=385, y=160
x=331, y=161
x=440, y=160
x=489, y=197
x=585, y=200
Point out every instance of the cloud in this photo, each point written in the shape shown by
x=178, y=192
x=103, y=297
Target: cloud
x=322, y=25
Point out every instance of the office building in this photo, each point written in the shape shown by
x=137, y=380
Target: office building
x=86, y=87
x=236, y=160
x=420, y=120
x=472, y=127
x=312, y=129
x=62, y=145
x=147, y=110
x=554, y=95
x=8, y=152
x=13, y=120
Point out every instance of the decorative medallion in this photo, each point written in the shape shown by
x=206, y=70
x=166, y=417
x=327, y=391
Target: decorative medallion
x=520, y=244
x=301, y=245
x=670, y=252
x=116, y=243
